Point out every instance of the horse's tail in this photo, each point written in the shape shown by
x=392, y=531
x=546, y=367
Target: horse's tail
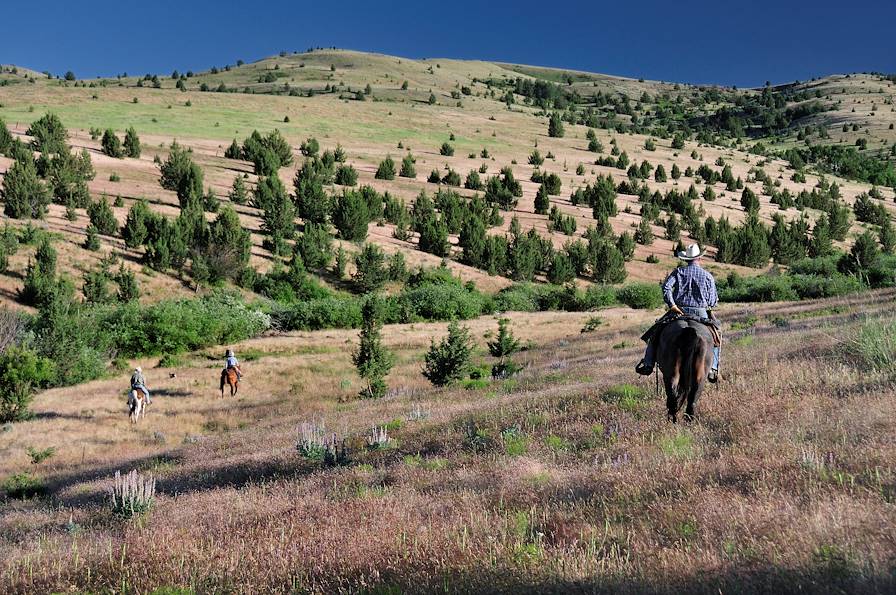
x=223, y=379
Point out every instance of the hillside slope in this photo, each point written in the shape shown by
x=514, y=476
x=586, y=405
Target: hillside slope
x=564, y=479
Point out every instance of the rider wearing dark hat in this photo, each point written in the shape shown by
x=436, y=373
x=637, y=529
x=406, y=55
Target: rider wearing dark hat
x=689, y=290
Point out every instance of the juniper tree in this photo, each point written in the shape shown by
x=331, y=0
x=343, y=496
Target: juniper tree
x=607, y=263
x=234, y=151
x=555, y=126
x=473, y=241
x=346, y=175
x=5, y=139
x=135, y=230
x=278, y=213
x=386, y=169
x=434, y=236
x=561, y=270
x=448, y=360
x=238, y=194
x=48, y=134
x=676, y=171
x=370, y=269
x=407, y=167
x=372, y=360
x=112, y=144
x=351, y=217
x=542, y=202
x=92, y=238
x=446, y=150
x=128, y=290
x=102, y=217
x=312, y=202
x=132, y=143
x=180, y=174
x=625, y=243
x=660, y=174
x=23, y=194
x=316, y=246
x=886, y=235
x=473, y=182
x=228, y=247
x=503, y=347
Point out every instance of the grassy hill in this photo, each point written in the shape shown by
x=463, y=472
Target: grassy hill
x=564, y=477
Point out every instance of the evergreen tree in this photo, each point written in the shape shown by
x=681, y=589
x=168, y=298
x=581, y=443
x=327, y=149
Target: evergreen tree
x=228, y=248
x=92, y=238
x=312, y=202
x=24, y=195
x=181, y=175
x=372, y=360
x=752, y=242
x=310, y=147
x=644, y=233
x=111, y=144
x=351, y=216
x=446, y=150
x=370, y=269
x=67, y=175
x=132, y=143
x=821, y=243
x=238, y=193
x=234, y=151
x=625, y=243
x=749, y=201
x=5, y=139
x=407, y=167
x=278, y=213
x=48, y=135
x=41, y=285
x=607, y=263
x=316, y=246
x=96, y=287
x=449, y=360
x=128, y=290
x=102, y=217
x=434, y=236
x=555, y=126
x=346, y=175
x=341, y=262
x=660, y=174
x=135, y=230
x=561, y=270
x=676, y=171
x=473, y=182
x=472, y=241
x=503, y=347
x=542, y=202
x=386, y=169
x=887, y=237
x=863, y=254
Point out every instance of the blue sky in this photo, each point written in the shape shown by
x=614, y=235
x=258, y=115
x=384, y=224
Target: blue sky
x=741, y=43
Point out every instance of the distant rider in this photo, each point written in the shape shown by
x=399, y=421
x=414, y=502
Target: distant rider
x=138, y=381
x=689, y=290
x=231, y=362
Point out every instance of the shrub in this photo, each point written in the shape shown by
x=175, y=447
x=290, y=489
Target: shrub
x=555, y=126
x=23, y=485
x=22, y=372
x=346, y=175
x=407, y=167
x=641, y=296
x=351, y=216
x=278, y=213
x=238, y=193
x=448, y=360
x=446, y=150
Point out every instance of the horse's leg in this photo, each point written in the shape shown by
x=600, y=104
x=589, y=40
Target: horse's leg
x=671, y=399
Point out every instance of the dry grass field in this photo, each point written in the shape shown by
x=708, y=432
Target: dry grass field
x=564, y=478
x=567, y=478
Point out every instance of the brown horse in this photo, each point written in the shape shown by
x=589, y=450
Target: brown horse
x=685, y=358
x=136, y=404
x=231, y=378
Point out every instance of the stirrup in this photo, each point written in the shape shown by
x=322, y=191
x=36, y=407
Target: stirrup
x=643, y=368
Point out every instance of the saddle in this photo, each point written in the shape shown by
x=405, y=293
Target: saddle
x=662, y=321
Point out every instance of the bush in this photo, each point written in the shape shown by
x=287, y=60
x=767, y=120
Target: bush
x=641, y=296
x=132, y=143
x=448, y=301
x=24, y=195
x=446, y=150
x=371, y=358
x=22, y=372
x=448, y=360
x=407, y=167
x=23, y=485
x=312, y=315
x=351, y=216
x=371, y=273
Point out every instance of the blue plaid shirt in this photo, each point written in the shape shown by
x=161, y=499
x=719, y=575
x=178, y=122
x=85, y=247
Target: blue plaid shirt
x=690, y=287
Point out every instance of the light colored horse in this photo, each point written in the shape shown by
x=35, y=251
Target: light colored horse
x=136, y=404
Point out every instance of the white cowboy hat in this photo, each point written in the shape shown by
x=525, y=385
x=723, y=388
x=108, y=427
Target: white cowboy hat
x=692, y=252
x=138, y=369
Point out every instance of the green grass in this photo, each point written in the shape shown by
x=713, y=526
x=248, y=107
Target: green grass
x=679, y=446
x=875, y=344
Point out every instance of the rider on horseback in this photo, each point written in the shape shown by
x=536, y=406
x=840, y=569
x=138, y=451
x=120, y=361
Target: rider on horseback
x=232, y=362
x=690, y=290
x=138, y=382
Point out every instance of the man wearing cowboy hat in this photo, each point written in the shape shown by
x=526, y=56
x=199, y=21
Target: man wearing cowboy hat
x=139, y=382
x=690, y=290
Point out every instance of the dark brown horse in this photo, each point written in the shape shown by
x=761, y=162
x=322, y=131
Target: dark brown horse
x=685, y=358
x=231, y=378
